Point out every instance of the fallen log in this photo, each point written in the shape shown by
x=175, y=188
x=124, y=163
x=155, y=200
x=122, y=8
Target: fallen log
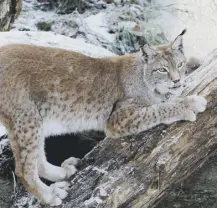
x=138, y=171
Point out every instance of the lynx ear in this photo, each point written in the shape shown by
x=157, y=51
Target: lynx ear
x=178, y=42
x=148, y=52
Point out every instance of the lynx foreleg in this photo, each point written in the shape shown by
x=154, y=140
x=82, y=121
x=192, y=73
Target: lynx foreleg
x=136, y=118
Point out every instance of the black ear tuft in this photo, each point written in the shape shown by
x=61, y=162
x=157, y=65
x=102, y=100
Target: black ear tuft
x=177, y=43
x=183, y=32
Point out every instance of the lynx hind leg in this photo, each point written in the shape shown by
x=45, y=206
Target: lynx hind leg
x=28, y=137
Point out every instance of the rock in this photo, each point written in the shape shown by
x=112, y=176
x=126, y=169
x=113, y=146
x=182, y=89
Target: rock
x=44, y=26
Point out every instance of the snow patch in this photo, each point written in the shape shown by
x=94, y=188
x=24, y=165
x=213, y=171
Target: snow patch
x=3, y=130
x=30, y=16
x=52, y=40
x=110, y=28
x=93, y=27
x=162, y=160
x=102, y=192
x=200, y=19
x=92, y=200
x=3, y=144
x=100, y=170
x=27, y=200
x=98, y=24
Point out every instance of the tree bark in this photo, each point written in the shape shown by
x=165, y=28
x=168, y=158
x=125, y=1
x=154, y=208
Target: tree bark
x=9, y=11
x=137, y=171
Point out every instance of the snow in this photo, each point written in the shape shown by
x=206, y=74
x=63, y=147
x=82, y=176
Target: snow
x=93, y=26
x=29, y=200
x=3, y=130
x=3, y=143
x=99, y=170
x=53, y=40
x=102, y=192
x=92, y=200
x=30, y=16
x=200, y=19
x=98, y=24
x=168, y=16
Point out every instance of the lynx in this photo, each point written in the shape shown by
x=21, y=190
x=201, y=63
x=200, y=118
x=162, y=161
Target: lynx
x=46, y=91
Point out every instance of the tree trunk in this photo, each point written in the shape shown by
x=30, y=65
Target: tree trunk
x=9, y=10
x=137, y=171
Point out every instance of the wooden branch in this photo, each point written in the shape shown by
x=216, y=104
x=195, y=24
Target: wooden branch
x=137, y=171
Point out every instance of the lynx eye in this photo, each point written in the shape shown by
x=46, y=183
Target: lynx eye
x=180, y=64
x=162, y=70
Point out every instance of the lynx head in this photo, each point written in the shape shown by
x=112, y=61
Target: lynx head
x=164, y=66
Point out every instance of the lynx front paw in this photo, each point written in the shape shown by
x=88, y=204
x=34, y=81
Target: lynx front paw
x=57, y=192
x=194, y=104
x=69, y=166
